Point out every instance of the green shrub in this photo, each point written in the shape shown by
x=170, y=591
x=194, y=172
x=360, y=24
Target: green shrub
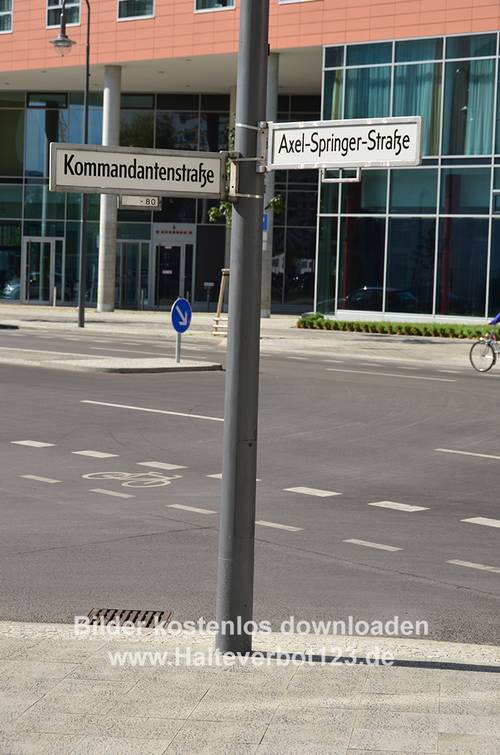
x=317, y=320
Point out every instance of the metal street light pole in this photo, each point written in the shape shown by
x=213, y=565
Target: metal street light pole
x=63, y=44
x=237, y=522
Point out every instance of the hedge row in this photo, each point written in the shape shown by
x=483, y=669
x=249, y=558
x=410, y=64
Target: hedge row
x=443, y=330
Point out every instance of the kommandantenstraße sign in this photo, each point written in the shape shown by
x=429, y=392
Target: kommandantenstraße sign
x=129, y=170
x=367, y=143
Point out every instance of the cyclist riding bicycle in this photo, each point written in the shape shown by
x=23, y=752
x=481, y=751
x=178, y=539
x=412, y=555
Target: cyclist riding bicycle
x=496, y=320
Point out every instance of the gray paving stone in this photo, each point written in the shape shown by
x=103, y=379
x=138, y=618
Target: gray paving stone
x=394, y=739
x=116, y=746
x=81, y=696
x=214, y=737
x=35, y=670
x=62, y=650
x=304, y=749
x=334, y=733
x=12, y=648
x=36, y=744
x=160, y=700
x=468, y=744
x=237, y=702
x=329, y=679
x=396, y=679
x=476, y=725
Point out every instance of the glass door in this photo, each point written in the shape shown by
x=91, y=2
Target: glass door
x=169, y=280
x=42, y=270
x=132, y=274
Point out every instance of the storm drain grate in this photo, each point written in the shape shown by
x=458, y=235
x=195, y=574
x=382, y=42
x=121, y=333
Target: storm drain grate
x=130, y=617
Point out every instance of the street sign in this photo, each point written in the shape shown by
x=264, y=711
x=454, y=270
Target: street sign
x=128, y=170
x=180, y=315
x=129, y=202
x=368, y=143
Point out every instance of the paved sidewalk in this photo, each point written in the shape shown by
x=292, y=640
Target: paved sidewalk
x=61, y=694
x=278, y=335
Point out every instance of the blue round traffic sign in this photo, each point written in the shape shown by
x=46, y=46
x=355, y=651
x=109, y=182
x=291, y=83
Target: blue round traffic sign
x=181, y=314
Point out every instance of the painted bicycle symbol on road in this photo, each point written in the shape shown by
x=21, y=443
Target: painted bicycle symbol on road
x=135, y=479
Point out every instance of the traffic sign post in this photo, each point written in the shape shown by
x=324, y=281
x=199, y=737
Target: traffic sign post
x=180, y=315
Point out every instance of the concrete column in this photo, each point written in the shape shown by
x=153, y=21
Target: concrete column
x=267, y=245
x=107, y=225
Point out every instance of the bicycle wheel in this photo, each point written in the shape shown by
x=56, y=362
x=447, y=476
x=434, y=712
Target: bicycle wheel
x=482, y=356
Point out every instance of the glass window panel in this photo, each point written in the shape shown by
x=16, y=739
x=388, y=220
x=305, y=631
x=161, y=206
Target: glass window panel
x=329, y=198
x=417, y=91
x=73, y=206
x=11, y=201
x=39, y=202
x=301, y=207
x=278, y=265
x=174, y=210
x=497, y=147
x=327, y=265
x=361, y=270
x=414, y=191
x=134, y=8
x=367, y=196
x=465, y=191
x=367, y=92
x=12, y=142
x=419, y=49
x=178, y=102
x=43, y=127
x=12, y=99
x=410, y=265
x=468, y=107
x=494, y=297
x=475, y=46
x=52, y=100
x=76, y=124
x=332, y=108
x=309, y=104
x=133, y=231
x=72, y=9
x=10, y=260
x=136, y=128
x=214, y=131
x=334, y=57
x=5, y=6
x=217, y=102
x=461, y=278
x=211, y=4
x=299, y=266
x=177, y=130
x=5, y=22
x=362, y=55
x=137, y=101
x=210, y=250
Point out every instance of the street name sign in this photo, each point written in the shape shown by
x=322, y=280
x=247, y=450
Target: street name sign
x=181, y=314
x=367, y=143
x=129, y=202
x=128, y=170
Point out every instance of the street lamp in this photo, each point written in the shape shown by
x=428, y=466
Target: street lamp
x=63, y=44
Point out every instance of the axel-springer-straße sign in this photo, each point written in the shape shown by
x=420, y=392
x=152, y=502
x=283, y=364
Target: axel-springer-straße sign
x=120, y=170
x=374, y=142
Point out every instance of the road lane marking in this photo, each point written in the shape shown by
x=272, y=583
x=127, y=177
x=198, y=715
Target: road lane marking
x=95, y=454
x=391, y=374
x=333, y=361
x=471, y=565
x=466, y=453
x=398, y=506
x=194, y=509
x=102, y=491
x=277, y=526
x=300, y=359
x=368, y=544
x=483, y=520
x=159, y=465
x=217, y=476
x=371, y=364
x=451, y=372
x=409, y=368
x=312, y=491
x=31, y=443
x=39, y=479
x=152, y=411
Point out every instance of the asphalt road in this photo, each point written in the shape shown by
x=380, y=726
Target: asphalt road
x=363, y=430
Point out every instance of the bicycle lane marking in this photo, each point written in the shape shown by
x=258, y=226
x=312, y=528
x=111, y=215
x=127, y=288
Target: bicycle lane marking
x=391, y=374
x=102, y=491
x=134, y=479
x=152, y=411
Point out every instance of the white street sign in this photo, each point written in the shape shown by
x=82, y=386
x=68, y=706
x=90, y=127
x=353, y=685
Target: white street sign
x=129, y=202
x=127, y=170
x=368, y=143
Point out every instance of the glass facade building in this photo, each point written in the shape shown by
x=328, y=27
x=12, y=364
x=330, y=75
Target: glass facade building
x=416, y=242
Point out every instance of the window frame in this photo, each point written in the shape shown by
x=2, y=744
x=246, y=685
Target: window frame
x=70, y=4
x=11, y=14
x=133, y=18
x=214, y=10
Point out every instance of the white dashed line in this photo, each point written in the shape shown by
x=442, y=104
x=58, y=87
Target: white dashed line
x=159, y=465
x=194, y=509
x=312, y=491
x=483, y=520
x=95, y=454
x=333, y=361
x=300, y=359
x=398, y=506
x=32, y=443
x=391, y=374
x=152, y=411
x=39, y=479
x=113, y=493
x=370, y=364
x=466, y=453
x=217, y=476
x=277, y=526
x=409, y=368
x=451, y=372
x=471, y=565
x=368, y=544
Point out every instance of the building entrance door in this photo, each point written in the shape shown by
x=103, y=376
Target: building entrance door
x=132, y=274
x=173, y=273
x=42, y=270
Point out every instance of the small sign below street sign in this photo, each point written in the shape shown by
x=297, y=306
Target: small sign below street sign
x=180, y=315
x=129, y=170
x=367, y=143
x=130, y=202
